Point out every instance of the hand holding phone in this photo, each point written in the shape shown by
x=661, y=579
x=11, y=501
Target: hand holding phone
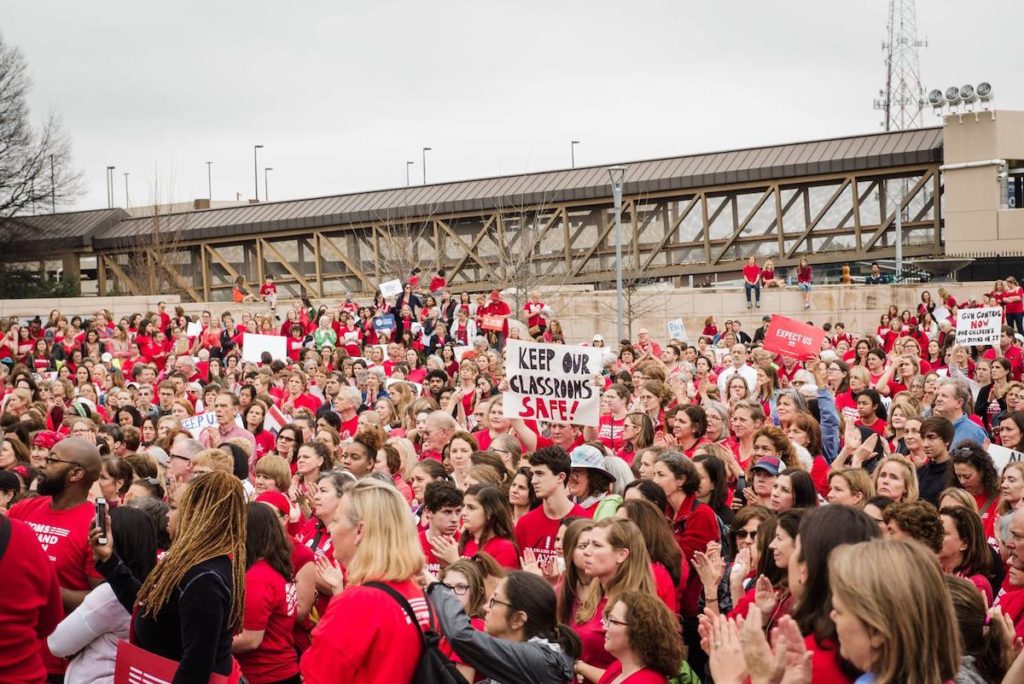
x=101, y=519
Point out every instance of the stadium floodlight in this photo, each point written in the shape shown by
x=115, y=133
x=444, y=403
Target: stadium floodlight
x=952, y=96
x=968, y=94
x=935, y=99
x=984, y=91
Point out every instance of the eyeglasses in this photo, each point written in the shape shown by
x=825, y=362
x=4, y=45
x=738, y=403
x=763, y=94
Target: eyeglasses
x=459, y=589
x=608, y=620
x=282, y=438
x=494, y=599
x=183, y=458
x=83, y=431
x=50, y=460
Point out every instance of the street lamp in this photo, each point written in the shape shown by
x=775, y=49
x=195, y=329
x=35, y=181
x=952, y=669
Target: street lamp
x=617, y=176
x=572, y=151
x=110, y=187
x=425, y=150
x=209, y=181
x=255, y=170
x=127, y=201
x=407, y=165
x=266, y=187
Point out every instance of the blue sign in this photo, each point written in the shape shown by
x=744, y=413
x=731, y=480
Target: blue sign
x=383, y=323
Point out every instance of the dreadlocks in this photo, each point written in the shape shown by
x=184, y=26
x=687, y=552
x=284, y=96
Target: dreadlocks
x=211, y=523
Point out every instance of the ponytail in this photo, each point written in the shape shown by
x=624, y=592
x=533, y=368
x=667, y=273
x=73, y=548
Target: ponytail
x=981, y=638
x=568, y=640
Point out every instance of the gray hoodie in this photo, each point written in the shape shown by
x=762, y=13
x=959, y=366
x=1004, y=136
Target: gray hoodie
x=537, y=661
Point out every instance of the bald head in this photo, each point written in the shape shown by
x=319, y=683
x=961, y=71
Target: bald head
x=70, y=470
x=82, y=453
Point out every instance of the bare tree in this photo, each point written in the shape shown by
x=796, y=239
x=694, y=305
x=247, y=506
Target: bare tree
x=35, y=164
x=400, y=245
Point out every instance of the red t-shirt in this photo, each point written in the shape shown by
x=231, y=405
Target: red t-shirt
x=64, y=536
x=502, y=550
x=366, y=637
x=591, y=634
x=349, y=428
x=30, y=606
x=751, y=274
x=644, y=676
x=270, y=606
x=664, y=587
x=609, y=432
x=537, y=531
x=433, y=563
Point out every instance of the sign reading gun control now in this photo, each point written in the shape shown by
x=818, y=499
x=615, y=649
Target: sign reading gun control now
x=789, y=337
x=551, y=383
x=978, y=326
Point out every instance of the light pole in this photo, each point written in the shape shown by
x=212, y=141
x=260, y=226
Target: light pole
x=266, y=187
x=110, y=187
x=899, y=237
x=572, y=151
x=617, y=175
x=53, y=188
x=425, y=150
x=127, y=201
x=407, y=165
x=209, y=181
x=256, y=171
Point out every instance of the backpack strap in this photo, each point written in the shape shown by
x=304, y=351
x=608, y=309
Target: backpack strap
x=404, y=603
x=5, y=534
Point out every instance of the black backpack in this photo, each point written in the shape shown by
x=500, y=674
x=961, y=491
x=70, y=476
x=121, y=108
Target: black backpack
x=434, y=666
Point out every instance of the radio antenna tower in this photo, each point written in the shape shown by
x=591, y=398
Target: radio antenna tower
x=902, y=98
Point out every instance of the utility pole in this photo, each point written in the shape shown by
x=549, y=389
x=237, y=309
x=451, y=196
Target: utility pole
x=902, y=98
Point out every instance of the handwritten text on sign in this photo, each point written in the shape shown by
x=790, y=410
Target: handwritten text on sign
x=792, y=338
x=551, y=383
x=978, y=326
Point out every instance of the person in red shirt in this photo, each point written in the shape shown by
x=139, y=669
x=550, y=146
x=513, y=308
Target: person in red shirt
x=438, y=282
x=487, y=526
x=30, y=603
x=1009, y=350
x=265, y=648
x=644, y=639
x=752, y=280
x=803, y=281
x=550, y=469
x=61, y=516
x=535, y=322
x=268, y=292
x=871, y=410
x=443, y=500
x=366, y=636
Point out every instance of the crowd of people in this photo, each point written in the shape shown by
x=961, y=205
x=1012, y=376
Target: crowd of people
x=363, y=510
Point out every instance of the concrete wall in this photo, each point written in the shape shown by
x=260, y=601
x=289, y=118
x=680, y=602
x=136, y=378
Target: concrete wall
x=584, y=312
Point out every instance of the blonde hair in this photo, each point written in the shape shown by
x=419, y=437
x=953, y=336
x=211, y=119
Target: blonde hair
x=858, y=480
x=215, y=459
x=634, y=574
x=276, y=468
x=908, y=606
x=911, y=492
x=389, y=550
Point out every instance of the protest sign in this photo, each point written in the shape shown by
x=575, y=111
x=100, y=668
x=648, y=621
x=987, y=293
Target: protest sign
x=494, y=323
x=460, y=351
x=677, y=330
x=275, y=420
x=391, y=288
x=253, y=347
x=940, y=314
x=193, y=329
x=385, y=322
x=196, y=424
x=790, y=337
x=551, y=383
x=135, y=665
x=978, y=327
x=1001, y=456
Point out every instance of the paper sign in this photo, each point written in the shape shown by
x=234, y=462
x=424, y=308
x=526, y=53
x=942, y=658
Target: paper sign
x=790, y=337
x=385, y=322
x=275, y=420
x=193, y=330
x=979, y=327
x=391, y=288
x=134, y=665
x=460, y=351
x=494, y=323
x=551, y=383
x=1001, y=456
x=940, y=314
x=197, y=424
x=254, y=345
x=677, y=330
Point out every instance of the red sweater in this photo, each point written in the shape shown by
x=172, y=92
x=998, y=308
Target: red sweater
x=694, y=526
x=365, y=637
x=30, y=605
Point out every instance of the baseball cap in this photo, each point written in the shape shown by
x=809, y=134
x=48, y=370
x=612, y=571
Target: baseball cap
x=588, y=457
x=277, y=500
x=769, y=464
x=598, y=338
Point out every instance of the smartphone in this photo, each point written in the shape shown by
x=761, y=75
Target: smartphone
x=101, y=518
x=741, y=484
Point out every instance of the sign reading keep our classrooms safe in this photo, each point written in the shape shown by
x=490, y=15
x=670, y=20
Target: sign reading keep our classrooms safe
x=978, y=326
x=551, y=383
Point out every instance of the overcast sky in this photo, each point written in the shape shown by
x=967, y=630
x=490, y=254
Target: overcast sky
x=342, y=94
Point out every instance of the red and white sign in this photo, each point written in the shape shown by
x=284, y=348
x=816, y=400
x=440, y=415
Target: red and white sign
x=979, y=327
x=494, y=323
x=275, y=420
x=552, y=383
x=135, y=665
x=790, y=337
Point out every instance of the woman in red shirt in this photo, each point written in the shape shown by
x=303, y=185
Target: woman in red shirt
x=752, y=280
x=803, y=280
x=265, y=648
x=487, y=526
x=366, y=635
x=1013, y=305
x=644, y=638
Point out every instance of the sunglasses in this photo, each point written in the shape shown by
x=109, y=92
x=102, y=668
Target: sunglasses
x=746, y=534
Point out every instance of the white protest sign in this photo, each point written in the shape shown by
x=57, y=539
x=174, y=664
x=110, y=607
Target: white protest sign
x=253, y=347
x=551, y=383
x=193, y=329
x=940, y=314
x=391, y=288
x=978, y=327
x=1001, y=456
x=677, y=330
x=459, y=351
x=196, y=424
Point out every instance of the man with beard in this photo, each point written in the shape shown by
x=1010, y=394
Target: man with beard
x=61, y=517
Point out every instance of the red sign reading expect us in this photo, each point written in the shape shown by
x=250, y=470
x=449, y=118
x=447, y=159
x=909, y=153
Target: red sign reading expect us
x=792, y=338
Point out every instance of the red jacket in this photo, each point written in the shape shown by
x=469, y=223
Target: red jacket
x=694, y=526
